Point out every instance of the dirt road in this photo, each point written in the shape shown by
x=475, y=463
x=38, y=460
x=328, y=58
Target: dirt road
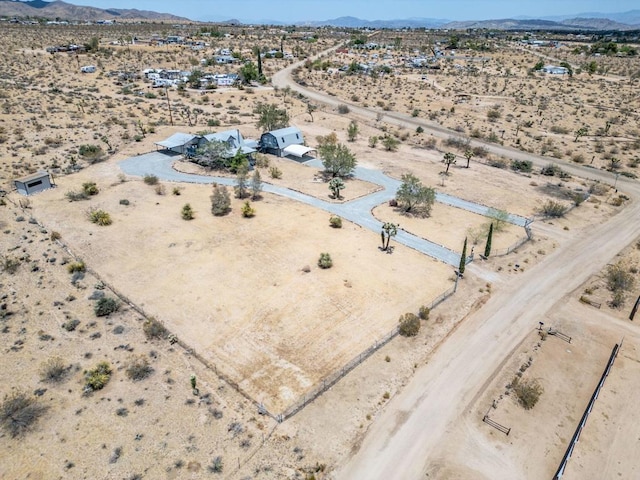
x=400, y=441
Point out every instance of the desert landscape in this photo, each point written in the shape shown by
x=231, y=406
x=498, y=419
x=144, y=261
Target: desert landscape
x=147, y=343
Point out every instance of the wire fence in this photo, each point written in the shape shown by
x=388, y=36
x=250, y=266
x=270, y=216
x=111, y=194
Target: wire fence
x=336, y=376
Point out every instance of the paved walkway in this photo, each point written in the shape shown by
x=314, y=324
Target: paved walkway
x=357, y=211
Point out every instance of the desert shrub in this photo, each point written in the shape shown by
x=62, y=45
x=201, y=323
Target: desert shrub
x=90, y=188
x=187, y=212
x=124, y=201
x=553, y=170
x=480, y=152
x=98, y=378
x=105, y=306
x=18, y=412
x=91, y=153
x=343, y=109
x=522, y=165
x=373, y=141
x=527, y=392
x=213, y=122
x=457, y=142
x=53, y=370
x=74, y=196
x=423, y=313
x=160, y=189
x=618, y=278
x=275, y=172
x=138, y=368
x=152, y=328
x=598, y=188
x=216, y=465
x=497, y=163
x=617, y=299
x=150, y=179
x=552, y=209
x=335, y=221
x=71, y=325
x=55, y=236
x=325, y=261
x=10, y=264
x=176, y=191
x=559, y=129
x=99, y=217
x=76, y=267
x=419, y=130
x=409, y=325
x=262, y=161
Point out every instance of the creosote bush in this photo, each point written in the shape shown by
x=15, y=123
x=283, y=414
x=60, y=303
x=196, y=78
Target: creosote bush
x=553, y=209
x=325, y=261
x=76, y=267
x=187, y=212
x=409, y=325
x=150, y=179
x=53, y=370
x=152, y=328
x=105, y=306
x=247, y=210
x=527, y=392
x=138, y=368
x=18, y=412
x=423, y=313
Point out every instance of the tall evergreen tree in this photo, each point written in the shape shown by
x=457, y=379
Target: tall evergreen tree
x=463, y=258
x=487, y=247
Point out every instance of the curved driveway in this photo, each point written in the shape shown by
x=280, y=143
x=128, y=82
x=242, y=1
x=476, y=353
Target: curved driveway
x=357, y=211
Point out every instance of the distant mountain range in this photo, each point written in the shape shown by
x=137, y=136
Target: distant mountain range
x=584, y=21
x=66, y=11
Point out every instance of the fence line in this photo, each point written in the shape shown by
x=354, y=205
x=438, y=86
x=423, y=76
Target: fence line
x=585, y=415
x=336, y=376
x=307, y=398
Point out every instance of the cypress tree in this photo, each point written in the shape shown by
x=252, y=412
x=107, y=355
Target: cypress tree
x=487, y=247
x=463, y=258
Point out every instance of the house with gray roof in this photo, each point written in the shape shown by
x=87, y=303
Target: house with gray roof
x=284, y=142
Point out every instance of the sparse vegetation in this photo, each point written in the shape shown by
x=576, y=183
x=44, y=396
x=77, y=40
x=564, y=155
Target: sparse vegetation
x=138, y=368
x=105, y=306
x=98, y=377
x=409, y=325
x=53, y=370
x=99, y=217
x=154, y=329
x=18, y=412
x=325, y=261
x=527, y=392
x=335, y=221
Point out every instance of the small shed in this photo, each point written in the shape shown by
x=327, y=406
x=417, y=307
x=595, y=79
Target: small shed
x=33, y=183
x=276, y=141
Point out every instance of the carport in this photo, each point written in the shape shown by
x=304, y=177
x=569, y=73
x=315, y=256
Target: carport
x=297, y=150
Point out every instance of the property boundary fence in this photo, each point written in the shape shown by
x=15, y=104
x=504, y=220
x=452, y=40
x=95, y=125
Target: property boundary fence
x=585, y=415
x=496, y=425
x=336, y=376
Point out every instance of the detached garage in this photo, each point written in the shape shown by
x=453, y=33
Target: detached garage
x=276, y=141
x=33, y=183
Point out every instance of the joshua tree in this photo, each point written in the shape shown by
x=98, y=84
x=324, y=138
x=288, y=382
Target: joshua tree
x=468, y=154
x=581, y=132
x=449, y=159
x=310, y=109
x=335, y=185
x=352, y=131
x=388, y=230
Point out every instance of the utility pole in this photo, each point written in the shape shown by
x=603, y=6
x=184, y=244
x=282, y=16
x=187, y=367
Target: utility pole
x=166, y=94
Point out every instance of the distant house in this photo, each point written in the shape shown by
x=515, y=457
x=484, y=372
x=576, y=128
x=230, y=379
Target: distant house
x=284, y=142
x=34, y=183
x=225, y=59
x=553, y=70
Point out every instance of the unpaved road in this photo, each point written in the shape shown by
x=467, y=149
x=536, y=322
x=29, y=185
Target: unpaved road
x=399, y=443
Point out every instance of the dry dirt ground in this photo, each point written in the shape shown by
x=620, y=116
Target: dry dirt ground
x=233, y=290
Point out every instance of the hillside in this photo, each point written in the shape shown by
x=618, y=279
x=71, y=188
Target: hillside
x=66, y=11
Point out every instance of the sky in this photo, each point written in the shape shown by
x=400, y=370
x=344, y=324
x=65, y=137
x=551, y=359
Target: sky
x=301, y=10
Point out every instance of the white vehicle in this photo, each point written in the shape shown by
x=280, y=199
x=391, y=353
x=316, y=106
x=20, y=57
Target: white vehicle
x=88, y=69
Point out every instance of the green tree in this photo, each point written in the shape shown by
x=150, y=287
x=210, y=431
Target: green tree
x=538, y=66
x=390, y=143
x=487, y=246
x=256, y=52
x=249, y=72
x=247, y=210
x=194, y=79
x=449, y=159
x=241, y=182
x=412, y=195
x=213, y=155
x=256, y=185
x=335, y=185
x=220, y=200
x=310, y=109
x=270, y=117
x=388, y=230
x=337, y=159
x=463, y=257
x=353, y=130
